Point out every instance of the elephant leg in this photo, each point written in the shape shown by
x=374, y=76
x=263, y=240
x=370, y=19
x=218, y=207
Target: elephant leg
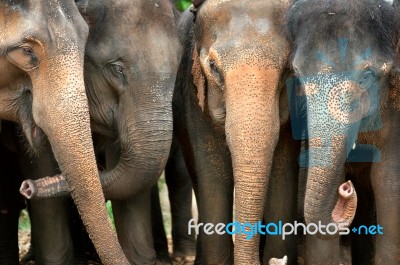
x=157, y=223
x=51, y=232
x=386, y=185
x=180, y=197
x=215, y=206
x=300, y=212
x=209, y=164
x=50, y=218
x=363, y=246
x=132, y=219
x=321, y=252
x=281, y=202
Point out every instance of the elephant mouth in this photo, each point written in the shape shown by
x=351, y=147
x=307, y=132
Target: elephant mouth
x=34, y=135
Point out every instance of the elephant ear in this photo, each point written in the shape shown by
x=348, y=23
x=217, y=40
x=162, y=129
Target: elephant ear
x=199, y=79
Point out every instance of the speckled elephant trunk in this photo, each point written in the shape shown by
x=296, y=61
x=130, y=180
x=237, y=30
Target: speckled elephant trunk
x=67, y=95
x=251, y=154
x=327, y=200
x=321, y=204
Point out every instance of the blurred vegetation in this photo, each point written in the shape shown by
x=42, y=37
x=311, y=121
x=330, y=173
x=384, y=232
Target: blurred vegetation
x=183, y=4
x=24, y=222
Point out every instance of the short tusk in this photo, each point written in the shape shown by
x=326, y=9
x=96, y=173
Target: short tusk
x=275, y=261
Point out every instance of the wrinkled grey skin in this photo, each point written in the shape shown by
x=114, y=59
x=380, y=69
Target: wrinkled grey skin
x=42, y=87
x=317, y=26
x=227, y=117
x=129, y=82
x=180, y=198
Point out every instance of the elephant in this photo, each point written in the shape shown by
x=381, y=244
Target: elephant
x=180, y=199
x=232, y=120
x=42, y=88
x=129, y=83
x=345, y=105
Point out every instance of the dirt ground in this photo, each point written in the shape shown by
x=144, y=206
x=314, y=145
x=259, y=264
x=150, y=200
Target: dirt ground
x=24, y=241
x=24, y=234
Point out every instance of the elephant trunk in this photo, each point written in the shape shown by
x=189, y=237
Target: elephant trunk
x=60, y=109
x=252, y=130
x=126, y=178
x=145, y=146
x=144, y=125
x=327, y=201
x=47, y=187
x=145, y=137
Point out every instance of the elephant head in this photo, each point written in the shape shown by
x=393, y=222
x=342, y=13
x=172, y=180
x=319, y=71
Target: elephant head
x=239, y=54
x=130, y=89
x=42, y=87
x=130, y=72
x=343, y=54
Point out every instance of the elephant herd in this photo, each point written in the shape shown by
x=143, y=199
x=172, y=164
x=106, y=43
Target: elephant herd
x=279, y=113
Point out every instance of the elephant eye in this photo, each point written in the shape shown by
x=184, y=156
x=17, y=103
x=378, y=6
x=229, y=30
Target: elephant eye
x=367, y=78
x=215, y=71
x=27, y=50
x=24, y=57
x=118, y=69
x=115, y=74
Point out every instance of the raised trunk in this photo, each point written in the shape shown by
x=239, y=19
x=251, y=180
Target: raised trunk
x=252, y=130
x=60, y=108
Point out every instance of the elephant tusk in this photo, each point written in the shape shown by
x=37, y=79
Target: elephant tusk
x=275, y=261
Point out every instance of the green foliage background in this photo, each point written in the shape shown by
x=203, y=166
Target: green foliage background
x=183, y=4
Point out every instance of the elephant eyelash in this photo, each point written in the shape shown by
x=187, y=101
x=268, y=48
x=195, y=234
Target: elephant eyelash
x=215, y=71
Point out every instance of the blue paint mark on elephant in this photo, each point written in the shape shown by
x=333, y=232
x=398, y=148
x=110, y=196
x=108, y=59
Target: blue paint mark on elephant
x=347, y=101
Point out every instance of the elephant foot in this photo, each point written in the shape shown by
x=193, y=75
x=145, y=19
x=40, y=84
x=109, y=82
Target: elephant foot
x=275, y=261
x=183, y=260
x=163, y=259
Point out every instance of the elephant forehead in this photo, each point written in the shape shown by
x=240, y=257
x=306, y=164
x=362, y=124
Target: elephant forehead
x=12, y=23
x=268, y=51
x=238, y=25
x=49, y=22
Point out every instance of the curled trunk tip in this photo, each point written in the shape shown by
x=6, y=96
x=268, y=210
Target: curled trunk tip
x=47, y=187
x=345, y=208
x=28, y=189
